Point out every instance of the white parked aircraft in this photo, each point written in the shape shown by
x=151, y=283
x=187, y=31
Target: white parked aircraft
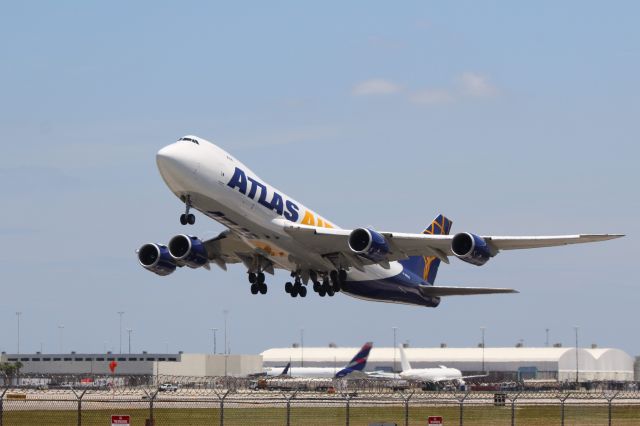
x=269, y=230
x=429, y=375
x=357, y=363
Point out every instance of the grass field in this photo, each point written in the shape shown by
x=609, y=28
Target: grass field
x=477, y=415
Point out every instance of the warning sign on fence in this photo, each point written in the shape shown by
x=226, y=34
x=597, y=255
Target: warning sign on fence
x=434, y=420
x=120, y=420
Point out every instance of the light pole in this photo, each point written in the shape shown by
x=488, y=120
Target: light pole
x=121, y=313
x=18, y=314
x=577, y=368
x=395, y=329
x=214, y=339
x=482, y=329
x=226, y=348
x=302, y=347
x=546, y=342
x=61, y=328
x=129, y=330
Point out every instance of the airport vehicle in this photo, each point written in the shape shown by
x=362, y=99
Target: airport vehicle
x=427, y=375
x=269, y=230
x=168, y=387
x=357, y=363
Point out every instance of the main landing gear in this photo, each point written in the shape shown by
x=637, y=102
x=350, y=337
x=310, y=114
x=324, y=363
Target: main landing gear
x=296, y=288
x=186, y=217
x=331, y=283
x=257, y=283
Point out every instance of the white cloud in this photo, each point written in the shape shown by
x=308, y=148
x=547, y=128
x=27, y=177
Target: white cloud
x=431, y=96
x=376, y=86
x=476, y=85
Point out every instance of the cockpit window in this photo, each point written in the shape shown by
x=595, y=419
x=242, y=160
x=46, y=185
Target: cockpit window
x=189, y=140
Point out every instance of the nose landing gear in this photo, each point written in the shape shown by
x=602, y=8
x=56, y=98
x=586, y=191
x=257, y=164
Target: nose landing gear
x=186, y=217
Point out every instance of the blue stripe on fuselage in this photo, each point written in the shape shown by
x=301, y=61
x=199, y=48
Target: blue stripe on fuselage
x=401, y=288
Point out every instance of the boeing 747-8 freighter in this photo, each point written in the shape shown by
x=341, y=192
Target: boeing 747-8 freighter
x=268, y=230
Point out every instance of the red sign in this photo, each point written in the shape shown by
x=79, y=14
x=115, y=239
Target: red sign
x=120, y=420
x=112, y=366
x=434, y=420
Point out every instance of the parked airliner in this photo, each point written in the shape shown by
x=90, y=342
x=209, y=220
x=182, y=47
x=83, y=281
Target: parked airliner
x=357, y=363
x=429, y=375
x=269, y=230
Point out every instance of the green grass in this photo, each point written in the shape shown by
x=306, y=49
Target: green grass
x=477, y=415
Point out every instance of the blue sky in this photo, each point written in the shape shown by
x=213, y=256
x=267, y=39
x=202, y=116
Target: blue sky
x=508, y=118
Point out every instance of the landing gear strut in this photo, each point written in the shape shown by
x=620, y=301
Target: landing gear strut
x=186, y=217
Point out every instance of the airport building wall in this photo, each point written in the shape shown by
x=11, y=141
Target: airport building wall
x=510, y=363
x=182, y=364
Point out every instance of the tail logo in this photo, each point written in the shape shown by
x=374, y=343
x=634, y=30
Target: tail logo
x=440, y=226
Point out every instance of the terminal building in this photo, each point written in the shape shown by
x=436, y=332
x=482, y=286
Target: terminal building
x=144, y=364
x=511, y=363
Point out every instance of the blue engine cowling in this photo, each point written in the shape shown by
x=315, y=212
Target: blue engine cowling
x=471, y=248
x=156, y=258
x=188, y=250
x=368, y=243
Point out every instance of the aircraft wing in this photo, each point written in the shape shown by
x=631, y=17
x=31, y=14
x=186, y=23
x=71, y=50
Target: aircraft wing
x=227, y=248
x=326, y=241
x=438, y=291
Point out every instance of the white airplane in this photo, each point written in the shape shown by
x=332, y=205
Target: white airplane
x=430, y=375
x=357, y=363
x=269, y=230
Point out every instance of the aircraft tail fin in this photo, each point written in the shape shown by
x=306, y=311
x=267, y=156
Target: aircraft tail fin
x=358, y=362
x=286, y=370
x=427, y=266
x=404, y=362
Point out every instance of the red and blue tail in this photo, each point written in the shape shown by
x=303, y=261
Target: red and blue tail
x=358, y=362
x=427, y=266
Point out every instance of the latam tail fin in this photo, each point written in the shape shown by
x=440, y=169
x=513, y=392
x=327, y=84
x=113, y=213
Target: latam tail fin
x=427, y=266
x=404, y=362
x=358, y=362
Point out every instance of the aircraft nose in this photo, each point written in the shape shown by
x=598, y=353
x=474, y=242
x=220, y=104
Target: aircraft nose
x=176, y=164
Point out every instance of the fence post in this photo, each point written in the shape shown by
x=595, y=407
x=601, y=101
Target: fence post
x=293, y=395
x=222, y=398
x=2, y=401
x=562, y=400
x=151, y=397
x=461, y=402
x=348, y=405
x=513, y=408
x=406, y=407
x=609, y=397
x=79, y=398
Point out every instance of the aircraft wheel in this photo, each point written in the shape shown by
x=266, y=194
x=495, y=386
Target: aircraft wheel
x=342, y=276
x=252, y=277
x=183, y=219
x=303, y=292
x=316, y=286
x=330, y=292
x=254, y=289
x=260, y=278
x=191, y=219
x=334, y=276
x=263, y=288
x=322, y=293
x=294, y=292
x=288, y=287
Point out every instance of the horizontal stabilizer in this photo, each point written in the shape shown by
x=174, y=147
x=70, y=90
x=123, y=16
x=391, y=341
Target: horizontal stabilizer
x=437, y=291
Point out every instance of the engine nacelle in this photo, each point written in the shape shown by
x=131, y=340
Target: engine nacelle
x=156, y=258
x=471, y=248
x=188, y=250
x=368, y=243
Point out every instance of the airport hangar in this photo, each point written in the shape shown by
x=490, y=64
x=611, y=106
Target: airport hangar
x=503, y=364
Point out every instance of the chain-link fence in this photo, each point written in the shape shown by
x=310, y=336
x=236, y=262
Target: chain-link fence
x=230, y=401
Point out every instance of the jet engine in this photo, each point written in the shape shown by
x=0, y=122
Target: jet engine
x=471, y=248
x=368, y=243
x=156, y=258
x=188, y=250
